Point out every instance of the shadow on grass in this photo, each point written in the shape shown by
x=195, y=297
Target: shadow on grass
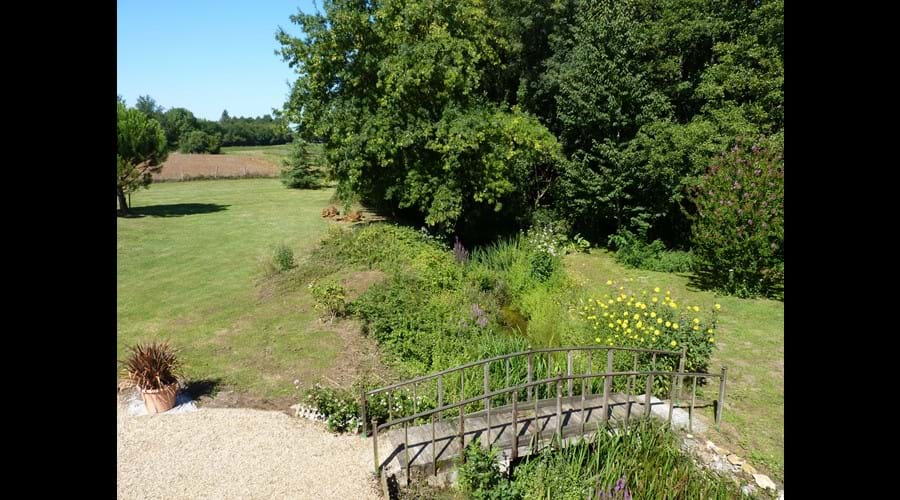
x=175, y=210
x=204, y=387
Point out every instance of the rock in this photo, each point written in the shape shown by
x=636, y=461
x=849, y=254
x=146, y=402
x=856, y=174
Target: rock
x=781, y=495
x=735, y=460
x=747, y=489
x=763, y=481
x=748, y=469
x=296, y=409
x=690, y=436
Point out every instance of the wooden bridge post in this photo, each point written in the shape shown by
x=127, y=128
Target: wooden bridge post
x=720, y=405
x=440, y=395
x=671, y=400
x=375, y=446
x=487, y=383
x=693, y=401
x=515, y=426
x=363, y=409
x=462, y=433
x=530, y=373
x=648, y=395
x=681, y=369
x=607, y=384
x=433, y=449
x=559, y=409
x=406, y=449
x=569, y=371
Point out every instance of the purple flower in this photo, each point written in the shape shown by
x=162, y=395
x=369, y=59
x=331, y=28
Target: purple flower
x=755, y=148
x=620, y=483
x=482, y=321
x=750, y=221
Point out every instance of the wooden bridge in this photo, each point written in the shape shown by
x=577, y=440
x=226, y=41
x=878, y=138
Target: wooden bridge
x=543, y=396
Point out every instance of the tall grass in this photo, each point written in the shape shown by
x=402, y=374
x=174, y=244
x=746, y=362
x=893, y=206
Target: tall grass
x=647, y=455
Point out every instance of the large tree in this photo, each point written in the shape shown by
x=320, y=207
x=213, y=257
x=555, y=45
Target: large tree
x=415, y=102
x=140, y=150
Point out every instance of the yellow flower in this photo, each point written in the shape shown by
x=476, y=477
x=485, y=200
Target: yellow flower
x=696, y=320
x=659, y=320
x=655, y=299
x=610, y=325
x=717, y=306
x=696, y=328
x=668, y=292
x=673, y=343
x=712, y=340
x=618, y=299
x=696, y=309
x=598, y=340
x=609, y=282
x=709, y=331
x=675, y=325
x=652, y=314
x=656, y=332
x=656, y=289
x=640, y=324
x=668, y=324
x=674, y=305
x=636, y=316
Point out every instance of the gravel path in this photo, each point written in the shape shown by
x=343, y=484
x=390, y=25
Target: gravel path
x=238, y=453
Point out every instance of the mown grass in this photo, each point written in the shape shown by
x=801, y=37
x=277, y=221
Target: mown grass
x=188, y=271
x=750, y=342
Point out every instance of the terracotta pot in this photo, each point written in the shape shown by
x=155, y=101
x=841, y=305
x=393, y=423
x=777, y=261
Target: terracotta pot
x=159, y=400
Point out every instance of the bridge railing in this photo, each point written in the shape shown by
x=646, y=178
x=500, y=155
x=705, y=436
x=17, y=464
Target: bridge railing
x=536, y=363
x=558, y=381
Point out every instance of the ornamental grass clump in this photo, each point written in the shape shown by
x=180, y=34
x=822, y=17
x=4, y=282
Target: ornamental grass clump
x=152, y=366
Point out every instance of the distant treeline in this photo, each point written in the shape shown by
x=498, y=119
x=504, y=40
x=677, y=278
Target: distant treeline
x=189, y=134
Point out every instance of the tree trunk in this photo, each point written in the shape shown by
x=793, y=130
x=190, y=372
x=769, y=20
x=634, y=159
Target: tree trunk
x=123, y=203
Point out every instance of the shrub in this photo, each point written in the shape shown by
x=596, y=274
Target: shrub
x=197, y=141
x=649, y=319
x=339, y=407
x=632, y=250
x=738, y=234
x=152, y=365
x=283, y=258
x=330, y=298
x=480, y=476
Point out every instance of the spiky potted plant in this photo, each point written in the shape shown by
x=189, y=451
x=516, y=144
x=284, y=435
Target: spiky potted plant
x=153, y=368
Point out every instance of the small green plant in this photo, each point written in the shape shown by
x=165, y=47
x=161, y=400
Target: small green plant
x=480, y=476
x=283, y=258
x=339, y=407
x=330, y=298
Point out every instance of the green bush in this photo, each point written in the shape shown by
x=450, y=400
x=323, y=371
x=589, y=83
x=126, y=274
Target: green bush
x=197, y=141
x=330, y=298
x=480, y=477
x=283, y=258
x=738, y=234
x=632, y=250
x=339, y=407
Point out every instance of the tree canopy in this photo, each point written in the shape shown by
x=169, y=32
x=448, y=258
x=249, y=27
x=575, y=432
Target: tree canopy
x=469, y=113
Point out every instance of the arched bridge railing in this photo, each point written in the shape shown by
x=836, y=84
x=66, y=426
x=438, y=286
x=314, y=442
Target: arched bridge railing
x=529, y=377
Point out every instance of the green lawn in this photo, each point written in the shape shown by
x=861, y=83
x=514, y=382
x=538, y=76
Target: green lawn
x=751, y=345
x=188, y=271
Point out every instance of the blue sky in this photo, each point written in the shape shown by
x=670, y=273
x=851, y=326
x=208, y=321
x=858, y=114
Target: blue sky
x=204, y=55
